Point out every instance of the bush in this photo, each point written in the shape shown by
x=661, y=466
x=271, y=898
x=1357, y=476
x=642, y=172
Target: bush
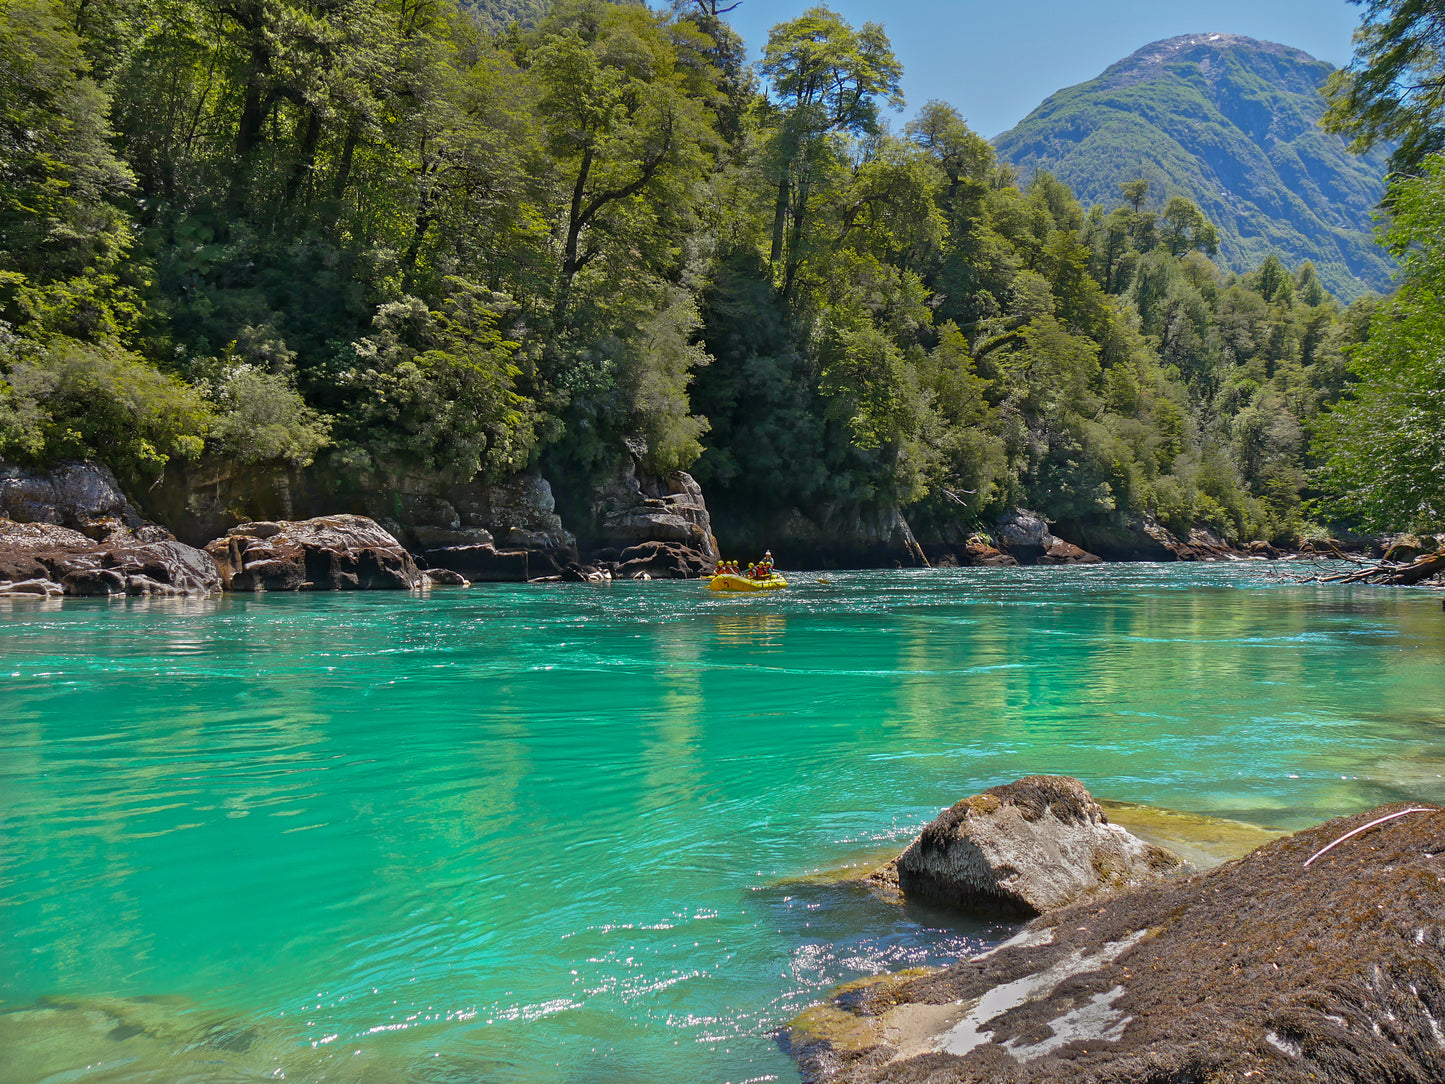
x=66, y=399
x=264, y=419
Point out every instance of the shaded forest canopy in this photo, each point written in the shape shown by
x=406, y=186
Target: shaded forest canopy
x=404, y=238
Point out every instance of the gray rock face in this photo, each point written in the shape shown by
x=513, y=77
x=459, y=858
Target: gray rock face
x=1127, y=540
x=1407, y=547
x=1026, y=848
x=76, y=495
x=521, y=511
x=1026, y=536
x=662, y=561
x=506, y=531
x=630, y=509
x=1021, y=529
x=1317, y=959
x=42, y=558
x=328, y=553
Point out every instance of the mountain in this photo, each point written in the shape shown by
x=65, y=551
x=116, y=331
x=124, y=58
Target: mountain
x=1232, y=123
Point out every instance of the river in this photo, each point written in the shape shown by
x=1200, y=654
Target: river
x=570, y=833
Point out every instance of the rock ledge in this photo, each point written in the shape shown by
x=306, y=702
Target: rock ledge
x=1264, y=969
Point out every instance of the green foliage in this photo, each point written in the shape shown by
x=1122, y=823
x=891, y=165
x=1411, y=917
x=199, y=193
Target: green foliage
x=826, y=79
x=67, y=399
x=466, y=242
x=437, y=388
x=1394, y=88
x=497, y=15
x=263, y=419
x=1385, y=442
x=661, y=363
x=61, y=235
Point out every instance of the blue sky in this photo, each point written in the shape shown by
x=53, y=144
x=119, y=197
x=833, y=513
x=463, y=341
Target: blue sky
x=995, y=62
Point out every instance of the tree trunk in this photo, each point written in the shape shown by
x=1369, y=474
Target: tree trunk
x=305, y=163
x=1432, y=564
x=343, y=169
x=780, y=219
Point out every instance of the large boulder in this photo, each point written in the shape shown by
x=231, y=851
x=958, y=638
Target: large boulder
x=633, y=507
x=328, y=553
x=1405, y=548
x=978, y=551
x=1023, y=849
x=46, y=559
x=482, y=562
x=1066, y=553
x=1129, y=539
x=83, y=496
x=1026, y=536
x=1318, y=958
x=507, y=531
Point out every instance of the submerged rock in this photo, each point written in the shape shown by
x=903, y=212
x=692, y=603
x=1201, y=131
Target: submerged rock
x=328, y=553
x=45, y=559
x=1201, y=841
x=1025, y=848
x=126, y=1040
x=1301, y=962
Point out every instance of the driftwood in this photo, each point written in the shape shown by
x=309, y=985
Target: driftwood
x=1387, y=572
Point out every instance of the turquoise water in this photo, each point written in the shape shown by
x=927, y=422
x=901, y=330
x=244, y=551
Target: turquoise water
x=556, y=834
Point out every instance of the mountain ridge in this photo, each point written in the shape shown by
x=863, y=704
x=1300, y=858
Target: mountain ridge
x=1232, y=123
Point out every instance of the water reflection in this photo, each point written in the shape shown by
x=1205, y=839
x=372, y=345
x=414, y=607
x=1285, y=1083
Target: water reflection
x=750, y=628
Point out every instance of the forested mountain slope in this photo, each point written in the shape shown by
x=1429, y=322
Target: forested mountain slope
x=1231, y=123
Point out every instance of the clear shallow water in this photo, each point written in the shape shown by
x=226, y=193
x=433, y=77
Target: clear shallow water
x=554, y=834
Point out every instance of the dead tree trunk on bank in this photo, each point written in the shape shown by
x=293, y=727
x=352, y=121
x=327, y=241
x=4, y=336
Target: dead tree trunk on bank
x=1432, y=564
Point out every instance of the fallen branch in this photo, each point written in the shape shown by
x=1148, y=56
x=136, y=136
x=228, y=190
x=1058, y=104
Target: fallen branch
x=1387, y=572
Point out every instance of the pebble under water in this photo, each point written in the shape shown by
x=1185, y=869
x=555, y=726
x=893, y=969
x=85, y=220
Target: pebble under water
x=575, y=833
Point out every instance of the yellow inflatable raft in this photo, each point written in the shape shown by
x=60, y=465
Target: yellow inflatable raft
x=729, y=582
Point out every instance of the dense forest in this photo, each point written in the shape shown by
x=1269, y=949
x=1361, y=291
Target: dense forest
x=398, y=237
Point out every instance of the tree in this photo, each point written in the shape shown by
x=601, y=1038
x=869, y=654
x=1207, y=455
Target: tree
x=62, y=235
x=1385, y=443
x=439, y=387
x=827, y=80
x=1183, y=227
x=67, y=399
x=1394, y=88
x=629, y=126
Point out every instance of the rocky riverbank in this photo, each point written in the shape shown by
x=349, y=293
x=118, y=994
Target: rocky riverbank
x=1319, y=956
x=334, y=531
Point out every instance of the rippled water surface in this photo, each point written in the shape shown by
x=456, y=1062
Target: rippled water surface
x=550, y=834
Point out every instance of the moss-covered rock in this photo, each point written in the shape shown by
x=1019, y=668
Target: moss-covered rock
x=1318, y=957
